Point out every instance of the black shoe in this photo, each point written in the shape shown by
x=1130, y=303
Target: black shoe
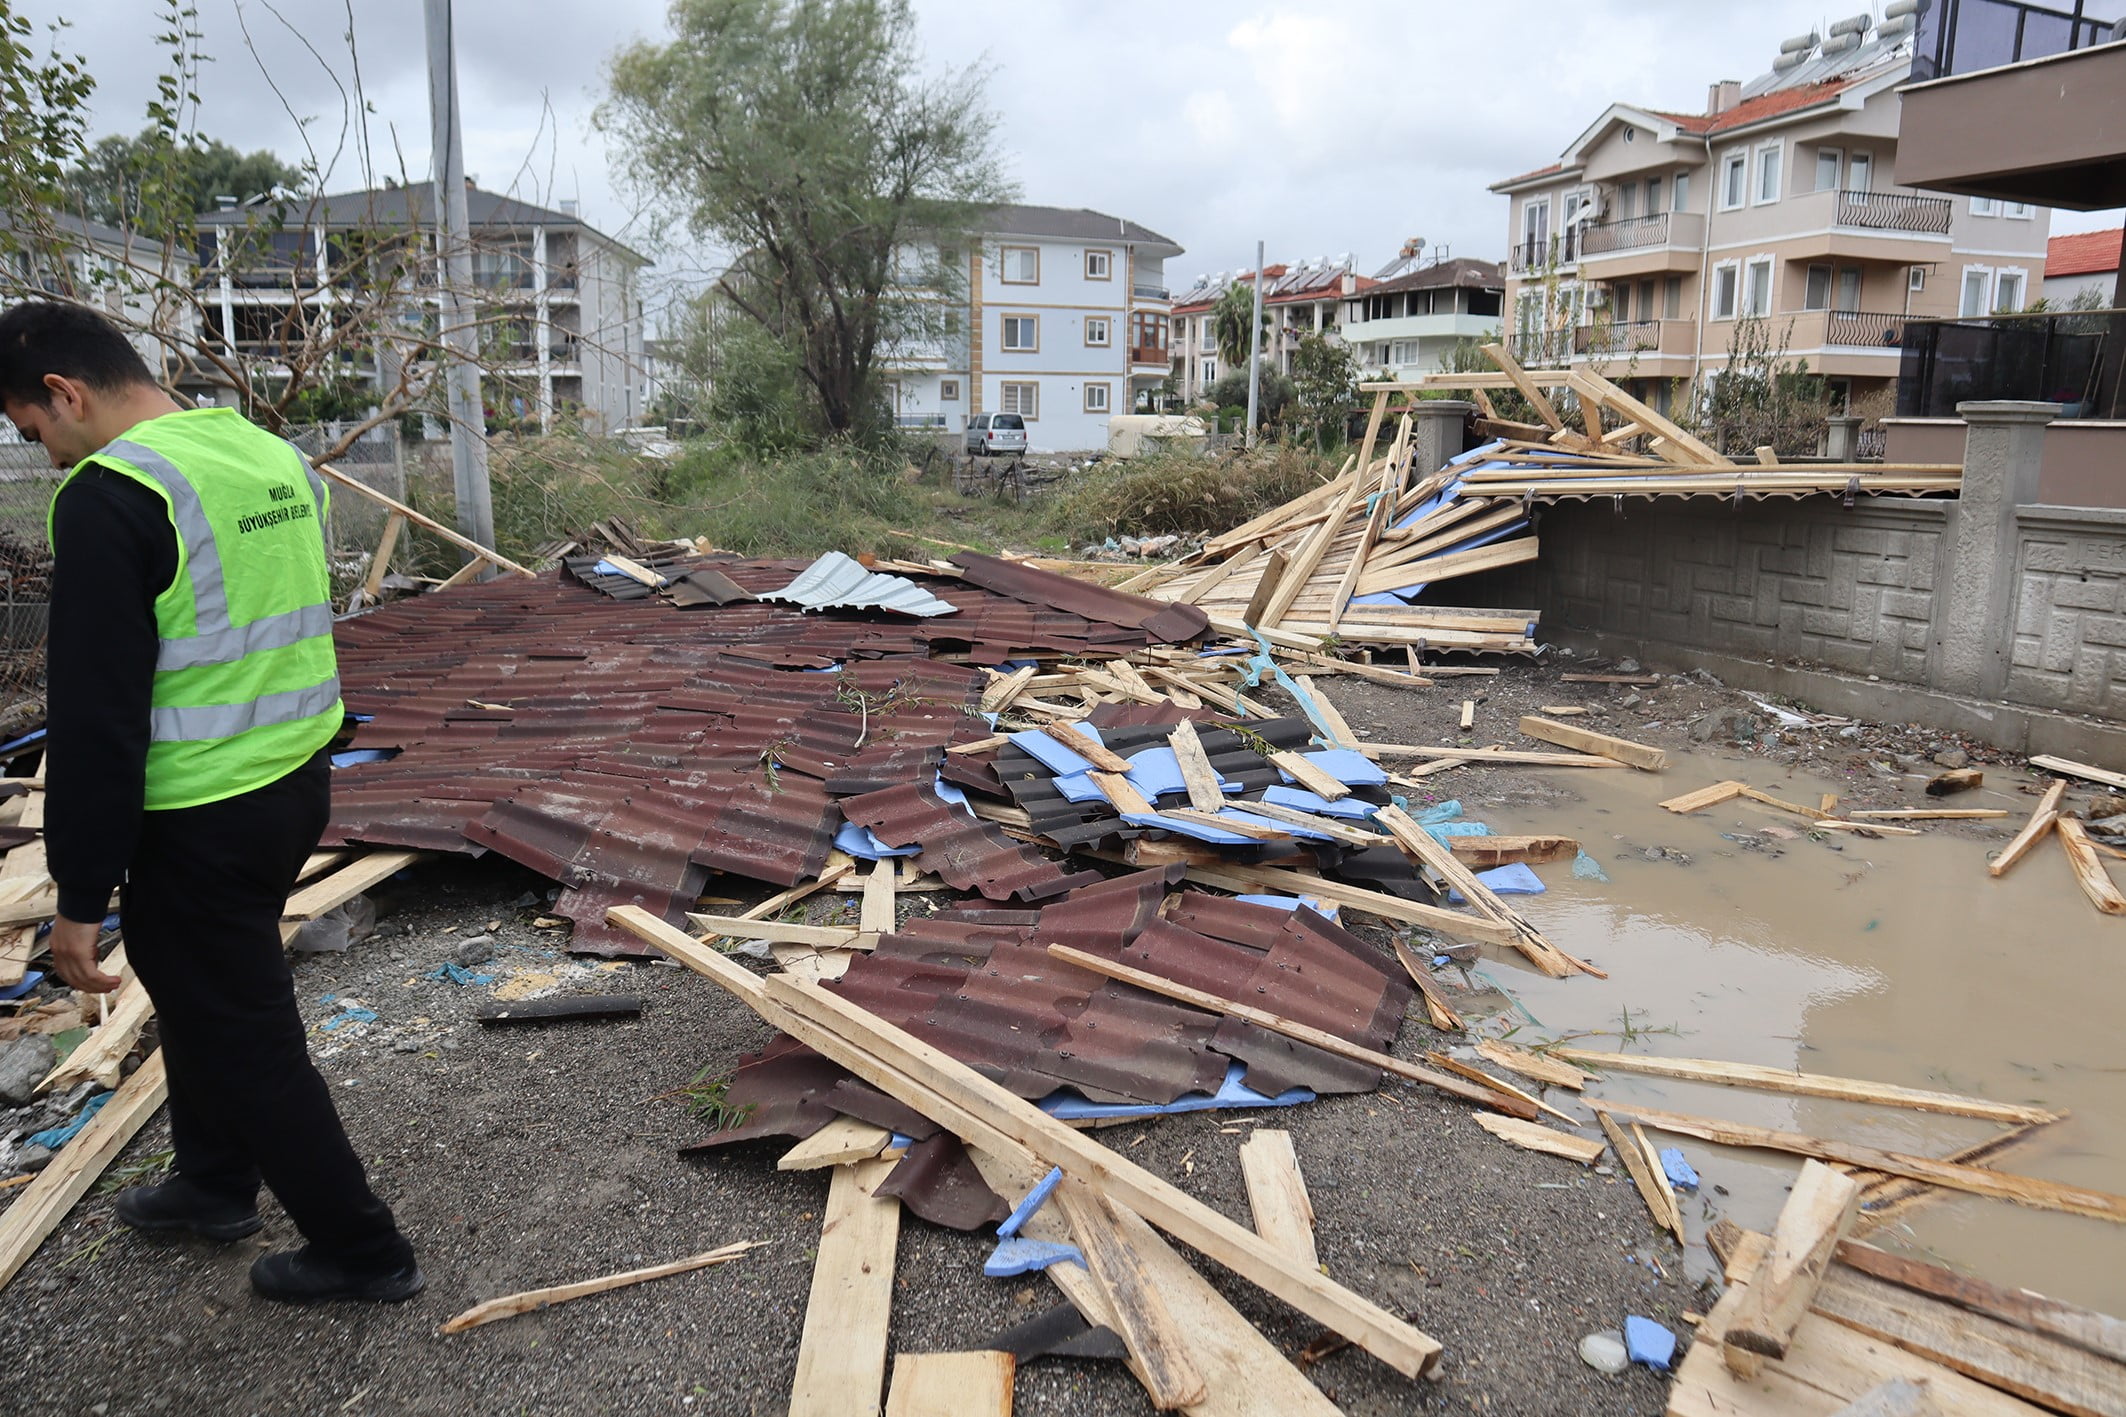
x=306, y=1277
x=178, y=1205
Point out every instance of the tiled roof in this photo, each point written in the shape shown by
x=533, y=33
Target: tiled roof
x=2083, y=253
x=1071, y=224
x=1482, y=275
x=1531, y=176
x=1756, y=110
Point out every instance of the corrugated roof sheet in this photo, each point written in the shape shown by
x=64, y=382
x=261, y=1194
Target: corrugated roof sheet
x=836, y=579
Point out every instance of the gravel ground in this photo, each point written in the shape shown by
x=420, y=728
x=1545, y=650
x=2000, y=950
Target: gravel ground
x=531, y=1156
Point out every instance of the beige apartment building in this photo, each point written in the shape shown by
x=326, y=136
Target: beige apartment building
x=1656, y=236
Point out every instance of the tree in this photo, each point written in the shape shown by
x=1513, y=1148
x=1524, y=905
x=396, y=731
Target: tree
x=1762, y=398
x=1229, y=323
x=804, y=136
x=1324, y=386
x=1232, y=392
x=108, y=179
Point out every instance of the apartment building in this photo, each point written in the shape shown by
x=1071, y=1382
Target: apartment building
x=1406, y=320
x=559, y=305
x=1064, y=320
x=1655, y=235
x=1299, y=298
x=2082, y=266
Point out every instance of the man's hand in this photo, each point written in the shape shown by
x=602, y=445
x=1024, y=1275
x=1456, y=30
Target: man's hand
x=73, y=946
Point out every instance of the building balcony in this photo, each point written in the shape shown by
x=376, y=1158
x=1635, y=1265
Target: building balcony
x=1149, y=292
x=1533, y=255
x=1642, y=246
x=1157, y=354
x=1446, y=325
x=1904, y=228
x=2017, y=113
x=1636, y=339
x=1540, y=349
x=2056, y=357
x=1878, y=332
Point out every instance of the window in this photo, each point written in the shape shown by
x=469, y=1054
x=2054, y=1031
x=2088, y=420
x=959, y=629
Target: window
x=1828, y=161
x=1096, y=398
x=1653, y=195
x=1768, y=160
x=2008, y=291
x=1620, y=303
x=1627, y=201
x=1209, y=341
x=1209, y=372
x=1916, y=279
x=1672, y=299
x=1099, y=265
x=1848, y=298
x=1403, y=352
x=1535, y=226
x=1977, y=281
x=2021, y=211
x=1734, y=180
x=1985, y=206
x=1022, y=399
x=1681, y=200
x=1021, y=265
x=1022, y=334
x=1817, y=294
x=1098, y=333
x=1859, y=173
x=1646, y=299
x=1757, y=287
x=948, y=391
x=1726, y=279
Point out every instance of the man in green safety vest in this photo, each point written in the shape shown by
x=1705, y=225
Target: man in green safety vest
x=192, y=693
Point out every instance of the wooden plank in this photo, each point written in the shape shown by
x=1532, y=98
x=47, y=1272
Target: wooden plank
x=2086, y=1329
x=502, y=1013
x=1289, y=1028
x=875, y=914
x=1899, y=1397
x=1928, y=814
x=345, y=884
x=534, y=1299
x=1505, y=1094
x=478, y=552
x=1814, y=814
x=1244, y=877
x=1267, y=583
x=976, y=1384
x=781, y=932
x=1999, y=1185
x=1340, y=829
x=1340, y=734
x=102, y=1054
x=1540, y=1066
x=1201, y=778
x=1586, y=740
x=1652, y=1185
x=1484, y=852
x=1958, y=780
x=1590, y=384
x=1158, y=1349
x=1886, y=1200
x=1533, y=1136
x=2089, y=872
x=1468, y=714
x=1301, y=570
x=1277, y=1193
x=1509, y=756
x=1004, y=688
x=1437, y=1009
x=1218, y=575
x=2067, y=767
x=1518, y=378
x=1384, y=501
x=1642, y=680
x=1452, y=565
x=841, y=1359
x=984, y=1114
x=1705, y=797
x=1817, y=1214
x=1252, y=830
x=380, y=562
x=841, y=1142
x=1071, y=737
x=2042, y=818
x=44, y=1203
x=1307, y=775
x=1810, y=1085
x=1422, y=847
x=1123, y=793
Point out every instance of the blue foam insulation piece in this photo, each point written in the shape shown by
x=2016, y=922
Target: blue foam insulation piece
x=823, y=669
x=1078, y=787
x=1195, y=831
x=1048, y=752
x=1510, y=879
x=1648, y=1342
x=1348, y=766
x=1681, y=1174
x=863, y=843
x=1035, y=1199
x=1326, y=909
x=1019, y=1255
x=1068, y=1106
x=948, y=793
x=35, y=735
x=1304, y=833
x=1155, y=771
x=1301, y=800
x=30, y=979
x=363, y=755
x=1496, y=534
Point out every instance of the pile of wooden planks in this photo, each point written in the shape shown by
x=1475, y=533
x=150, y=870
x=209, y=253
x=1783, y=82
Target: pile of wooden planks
x=1340, y=559
x=2050, y=818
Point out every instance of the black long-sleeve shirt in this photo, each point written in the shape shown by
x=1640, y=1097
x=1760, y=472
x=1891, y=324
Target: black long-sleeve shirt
x=114, y=551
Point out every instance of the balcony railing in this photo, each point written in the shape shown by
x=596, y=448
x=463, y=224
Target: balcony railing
x=1540, y=348
x=1620, y=337
x=1149, y=354
x=1874, y=328
x=1535, y=253
x=1965, y=36
x=1893, y=211
x=2051, y=358
x=1626, y=235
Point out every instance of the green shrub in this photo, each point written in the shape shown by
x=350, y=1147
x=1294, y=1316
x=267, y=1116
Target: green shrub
x=1181, y=492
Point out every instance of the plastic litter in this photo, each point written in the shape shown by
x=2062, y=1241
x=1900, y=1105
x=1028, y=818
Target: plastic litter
x=1035, y=1199
x=1019, y=1255
x=1586, y=868
x=456, y=973
x=1679, y=1171
x=1605, y=1352
x=1649, y=1343
x=1513, y=878
x=1069, y=1106
x=52, y=1138
x=349, y=1013
x=1326, y=909
x=861, y=842
x=31, y=978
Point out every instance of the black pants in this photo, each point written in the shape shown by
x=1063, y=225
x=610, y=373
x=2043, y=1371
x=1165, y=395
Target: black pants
x=201, y=910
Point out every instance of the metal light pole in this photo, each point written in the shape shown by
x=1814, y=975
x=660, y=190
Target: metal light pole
x=468, y=424
x=1255, y=348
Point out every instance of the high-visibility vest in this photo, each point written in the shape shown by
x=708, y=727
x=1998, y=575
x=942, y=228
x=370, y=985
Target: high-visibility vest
x=246, y=684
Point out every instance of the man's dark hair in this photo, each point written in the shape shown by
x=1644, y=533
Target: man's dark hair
x=40, y=337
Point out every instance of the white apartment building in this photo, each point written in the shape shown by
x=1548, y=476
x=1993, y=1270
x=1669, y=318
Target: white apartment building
x=1406, y=320
x=1064, y=321
x=1299, y=298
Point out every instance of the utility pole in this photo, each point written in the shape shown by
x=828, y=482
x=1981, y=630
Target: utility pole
x=1255, y=348
x=468, y=424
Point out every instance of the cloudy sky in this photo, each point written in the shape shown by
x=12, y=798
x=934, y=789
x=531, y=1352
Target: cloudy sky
x=1320, y=128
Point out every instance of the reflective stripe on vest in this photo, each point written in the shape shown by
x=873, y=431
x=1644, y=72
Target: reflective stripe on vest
x=211, y=721
x=214, y=639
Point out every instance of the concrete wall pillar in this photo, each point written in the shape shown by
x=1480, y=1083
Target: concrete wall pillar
x=1842, y=438
x=1436, y=434
x=1974, y=593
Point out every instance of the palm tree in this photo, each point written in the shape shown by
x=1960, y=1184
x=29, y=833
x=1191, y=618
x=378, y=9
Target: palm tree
x=1229, y=323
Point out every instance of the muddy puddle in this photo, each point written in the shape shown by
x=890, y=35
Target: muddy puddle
x=1897, y=960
